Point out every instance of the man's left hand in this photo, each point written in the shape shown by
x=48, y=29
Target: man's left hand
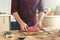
x=39, y=24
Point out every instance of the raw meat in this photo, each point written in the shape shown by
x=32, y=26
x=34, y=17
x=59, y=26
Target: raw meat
x=33, y=29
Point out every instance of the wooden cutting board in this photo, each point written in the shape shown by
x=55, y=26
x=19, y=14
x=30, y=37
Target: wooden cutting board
x=30, y=35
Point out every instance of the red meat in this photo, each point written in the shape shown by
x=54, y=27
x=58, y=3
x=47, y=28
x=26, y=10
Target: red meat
x=33, y=29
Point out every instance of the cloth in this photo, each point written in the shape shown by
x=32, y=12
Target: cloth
x=27, y=10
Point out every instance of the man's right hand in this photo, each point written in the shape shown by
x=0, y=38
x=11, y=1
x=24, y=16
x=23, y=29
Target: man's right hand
x=20, y=21
x=23, y=26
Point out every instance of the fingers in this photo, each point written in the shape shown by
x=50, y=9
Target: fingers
x=24, y=28
x=40, y=27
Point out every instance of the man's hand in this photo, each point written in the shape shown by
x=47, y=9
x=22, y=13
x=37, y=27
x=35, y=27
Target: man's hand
x=39, y=24
x=24, y=27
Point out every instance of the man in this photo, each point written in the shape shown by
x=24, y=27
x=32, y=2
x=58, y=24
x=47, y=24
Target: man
x=24, y=11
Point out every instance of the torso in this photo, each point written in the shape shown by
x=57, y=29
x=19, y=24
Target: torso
x=27, y=11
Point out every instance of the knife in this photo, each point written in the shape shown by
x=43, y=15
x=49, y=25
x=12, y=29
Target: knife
x=45, y=31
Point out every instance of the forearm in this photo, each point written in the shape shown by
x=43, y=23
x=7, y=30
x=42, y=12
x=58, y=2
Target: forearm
x=18, y=18
x=41, y=16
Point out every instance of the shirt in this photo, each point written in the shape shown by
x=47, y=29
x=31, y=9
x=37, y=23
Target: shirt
x=27, y=10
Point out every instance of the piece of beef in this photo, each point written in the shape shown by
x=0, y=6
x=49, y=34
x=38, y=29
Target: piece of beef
x=33, y=29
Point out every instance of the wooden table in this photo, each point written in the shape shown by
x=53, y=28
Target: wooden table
x=29, y=36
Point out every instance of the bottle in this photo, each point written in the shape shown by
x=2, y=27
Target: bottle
x=50, y=12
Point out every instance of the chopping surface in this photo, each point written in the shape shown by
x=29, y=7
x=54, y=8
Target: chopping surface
x=30, y=35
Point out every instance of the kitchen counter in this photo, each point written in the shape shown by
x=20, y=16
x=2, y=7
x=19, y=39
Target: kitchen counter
x=4, y=15
x=51, y=21
x=54, y=16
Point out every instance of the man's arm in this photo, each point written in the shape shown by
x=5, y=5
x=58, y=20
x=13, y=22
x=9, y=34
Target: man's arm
x=41, y=10
x=14, y=12
x=41, y=13
x=41, y=16
x=20, y=21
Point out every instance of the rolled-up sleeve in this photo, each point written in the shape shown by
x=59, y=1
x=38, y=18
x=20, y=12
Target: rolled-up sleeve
x=14, y=4
x=40, y=6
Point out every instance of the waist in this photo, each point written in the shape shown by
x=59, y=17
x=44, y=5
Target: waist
x=30, y=21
